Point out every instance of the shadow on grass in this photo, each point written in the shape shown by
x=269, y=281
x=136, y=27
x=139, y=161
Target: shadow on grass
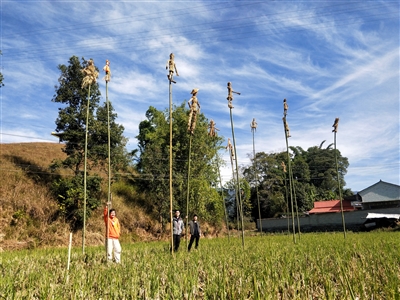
x=40, y=175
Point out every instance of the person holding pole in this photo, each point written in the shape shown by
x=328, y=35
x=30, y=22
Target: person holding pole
x=112, y=236
x=178, y=227
x=195, y=232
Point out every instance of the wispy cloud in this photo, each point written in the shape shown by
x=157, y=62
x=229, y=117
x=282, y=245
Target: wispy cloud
x=328, y=59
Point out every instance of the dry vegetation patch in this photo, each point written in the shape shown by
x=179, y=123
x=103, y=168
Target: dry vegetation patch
x=29, y=211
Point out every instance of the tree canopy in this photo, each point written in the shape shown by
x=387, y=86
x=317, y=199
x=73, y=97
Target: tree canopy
x=314, y=178
x=153, y=164
x=71, y=127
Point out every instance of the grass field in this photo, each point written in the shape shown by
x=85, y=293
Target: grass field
x=318, y=266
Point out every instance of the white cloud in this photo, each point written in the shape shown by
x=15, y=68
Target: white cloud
x=328, y=59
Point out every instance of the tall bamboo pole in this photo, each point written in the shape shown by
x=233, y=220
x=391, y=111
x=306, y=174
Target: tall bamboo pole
x=285, y=127
x=90, y=77
x=295, y=202
x=286, y=196
x=84, y=173
x=223, y=200
x=231, y=154
x=172, y=68
x=213, y=134
x=194, y=106
x=237, y=178
x=188, y=190
x=230, y=98
x=170, y=167
x=253, y=126
x=107, y=79
x=335, y=125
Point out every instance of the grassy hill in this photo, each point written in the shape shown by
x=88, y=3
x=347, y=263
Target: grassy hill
x=28, y=210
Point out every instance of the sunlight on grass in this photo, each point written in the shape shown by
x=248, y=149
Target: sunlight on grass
x=321, y=266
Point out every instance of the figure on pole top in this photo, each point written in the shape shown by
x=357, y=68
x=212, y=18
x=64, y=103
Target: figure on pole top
x=230, y=95
x=194, y=106
x=172, y=68
x=285, y=107
x=212, y=132
x=90, y=74
x=253, y=125
x=335, y=125
x=107, y=70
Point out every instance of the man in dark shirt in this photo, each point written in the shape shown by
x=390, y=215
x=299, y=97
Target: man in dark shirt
x=178, y=228
x=195, y=232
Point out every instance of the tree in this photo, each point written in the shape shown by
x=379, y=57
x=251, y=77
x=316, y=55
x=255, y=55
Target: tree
x=153, y=164
x=99, y=152
x=71, y=127
x=323, y=176
x=314, y=178
x=231, y=201
x=271, y=183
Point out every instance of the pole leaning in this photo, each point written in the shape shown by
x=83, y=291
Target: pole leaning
x=287, y=136
x=90, y=77
x=213, y=134
x=253, y=126
x=172, y=68
x=230, y=98
x=107, y=79
x=335, y=129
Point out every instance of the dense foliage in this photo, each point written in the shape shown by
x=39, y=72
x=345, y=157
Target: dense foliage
x=153, y=164
x=71, y=128
x=314, y=179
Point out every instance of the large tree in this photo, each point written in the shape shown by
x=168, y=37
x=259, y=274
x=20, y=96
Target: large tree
x=322, y=170
x=71, y=129
x=153, y=164
x=267, y=174
x=314, y=178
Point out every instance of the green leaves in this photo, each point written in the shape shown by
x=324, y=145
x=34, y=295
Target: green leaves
x=314, y=178
x=69, y=193
x=153, y=163
x=71, y=122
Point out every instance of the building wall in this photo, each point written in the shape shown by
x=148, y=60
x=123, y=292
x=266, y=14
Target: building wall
x=324, y=222
x=379, y=192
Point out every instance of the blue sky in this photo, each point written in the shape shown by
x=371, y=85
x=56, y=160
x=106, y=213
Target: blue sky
x=327, y=58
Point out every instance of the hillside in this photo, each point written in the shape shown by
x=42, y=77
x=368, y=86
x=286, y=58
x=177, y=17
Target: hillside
x=29, y=212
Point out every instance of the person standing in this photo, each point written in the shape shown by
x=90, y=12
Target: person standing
x=178, y=227
x=112, y=236
x=195, y=232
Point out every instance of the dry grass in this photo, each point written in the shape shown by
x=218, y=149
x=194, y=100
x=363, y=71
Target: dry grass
x=28, y=210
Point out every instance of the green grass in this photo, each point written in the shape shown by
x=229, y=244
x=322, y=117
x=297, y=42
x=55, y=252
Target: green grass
x=318, y=266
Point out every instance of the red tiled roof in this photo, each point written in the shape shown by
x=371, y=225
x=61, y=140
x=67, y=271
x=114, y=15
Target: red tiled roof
x=331, y=206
